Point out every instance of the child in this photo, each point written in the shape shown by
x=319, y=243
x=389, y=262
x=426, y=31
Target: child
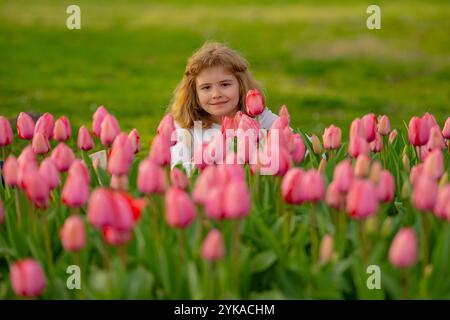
x=215, y=83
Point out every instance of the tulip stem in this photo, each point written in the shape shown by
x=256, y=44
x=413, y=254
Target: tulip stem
x=236, y=239
x=426, y=227
x=362, y=233
x=19, y=214
x=404, y=281
x=48, y=243
x=287, y=226
x=314, y=240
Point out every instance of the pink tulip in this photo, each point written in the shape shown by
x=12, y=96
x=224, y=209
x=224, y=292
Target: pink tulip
x=166, y=128
x=178, y=178
x=357, y=129
x=37, y=189
x=392, y=136
x=430, y=120
x=10, y=171
x=332, y=137
x=62, y=130
x=334, y=198
x=216, y=150
x=404, y=248
x=246, y=148
x=434, y=164
x=25, y=126
x=180, y=210
x=119, y=183
x=369, y=122
x=75, y=192
x=135, y=140
x=6, y=133
x=45, y=125
x=97, y=119
x=326, y=249
x=254, y=102
x=436, y=140
x=123, y=217
x=424, y=193
x=250, y=127
x=362, y=199
x=63, y=157
x=384, y=125
x=100, y=208
x=85, y=141
x=27, y=278
x=213, y=247
x=205, y=182
x=284, y=112
x=151, y=178
x=362, y=166
x=121, y=156
x=230, y=124
x=79, y=168
x=280, y=123
x=40, y=143
x=313, y=186
x=343, y=175
x=377, y=144
x=50, y=173
x=418, y=131
x=109, y=130
x=298, y=149
x=416, y=171
x=72, y=234
x=237, y=200
x=386, y=187
x=160, y=151
x=199, y=158
x=291, y=189
x=214, y=203
x=25, y=169
x=442, y=207
x=446, y=130
x=358, y=146
x=270, y=157
x=116, y=237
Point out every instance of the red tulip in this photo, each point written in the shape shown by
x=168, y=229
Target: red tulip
x=418, y=131
x=214, y=203
x=109, y=130
x=10, y=171
x=160, y=151
x=291, y=186
x=425, y=192
x=404, y=248
x=25, y=126
x=442, y=207
x=97, y=119
x=180, y=210
x=63, y=157
x=40, y=143
x=25, y=169
x=178, y=178
x=362, y=199
x=250, y=128
x=386, y=187
x=230, y=124
x=50, y=173
x=254, y=102
x=369, y=122
x=45, y=125
x=384, y=125
x=343, y=175
x=27, y=278
x=116, y=237
x=72, y=234
x=151, y=178
x=237, y=200
x=135, y=140
x=446, y=130
x=332, y=137
x=358, y=146
x=62, y=130
x=85, y=141
x=213, y=247
x=75, y=192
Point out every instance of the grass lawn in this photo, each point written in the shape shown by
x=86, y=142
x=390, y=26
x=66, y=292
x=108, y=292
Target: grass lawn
x=319, y=60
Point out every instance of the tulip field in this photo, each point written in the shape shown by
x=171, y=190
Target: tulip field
x=358, y=217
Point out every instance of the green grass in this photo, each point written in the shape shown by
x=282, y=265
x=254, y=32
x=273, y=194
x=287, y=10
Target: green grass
x=319, y=60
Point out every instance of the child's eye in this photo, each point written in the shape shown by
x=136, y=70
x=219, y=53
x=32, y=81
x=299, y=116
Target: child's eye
x=205, y=88
x=225, y=84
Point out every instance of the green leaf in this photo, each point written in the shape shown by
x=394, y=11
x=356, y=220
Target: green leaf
x=262, y=261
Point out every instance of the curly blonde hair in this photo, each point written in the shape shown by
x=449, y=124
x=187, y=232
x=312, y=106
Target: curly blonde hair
x=185, y=106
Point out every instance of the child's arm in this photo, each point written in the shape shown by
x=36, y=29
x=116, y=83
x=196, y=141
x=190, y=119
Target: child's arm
x=266, y=118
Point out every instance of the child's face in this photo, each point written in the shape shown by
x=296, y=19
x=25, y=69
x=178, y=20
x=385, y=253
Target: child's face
x=218, y=92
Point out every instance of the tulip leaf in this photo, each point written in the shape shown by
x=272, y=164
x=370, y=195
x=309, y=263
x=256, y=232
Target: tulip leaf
x=262, y=261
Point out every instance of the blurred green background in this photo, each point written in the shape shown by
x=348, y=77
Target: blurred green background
x=318, y=58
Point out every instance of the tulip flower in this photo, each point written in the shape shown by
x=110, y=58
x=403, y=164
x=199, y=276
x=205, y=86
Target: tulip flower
x=213, y=247
x=446, y=130
x=332, y=137
x=10, y=171
x=50, y=173
x=280, y=123
x=6, y=133
x=135, y=140
x=180, y=210
x=442, y=207
x=357, y=129
x=284, y=113
x=214, y=203
x=317, y=146
x=343, y=175
x=119, y=182
x=63, y=157
x=377, y=144
x=237, y=200
x=166, y=128
x=205, y=182
x=37, y=189
x=386, y=187
x=160, y=151
x=79, y=168
x=334, y=198
x=392, y=136
x=326, y=249
x=25, y=126
x=430, y=120
x=72, y=234
x=313, y=186
x=75, y=192
x=85, y=141
x=62, y=130
x=418, y=131
x=97, y=119
x=254, y=102
x=25, y=169
x=436, y=140
x=375, y=171
x=362, y=166
x=424, y=193
x=230, y=124
x=362, y=199
x=291, y=189
x=45, y=125
x=100, y=208
x=434, y=164
x=40, y=143
x=416, y=171
x=109, y=130
x=123, y=217
x=178, y=178
x=298, y=149
x=384, y=125
x=369, y=123
x=116, y=237
x=27, y=278
x=121, y=155
x=358, y=146
x=404, y=248
x=151, y=178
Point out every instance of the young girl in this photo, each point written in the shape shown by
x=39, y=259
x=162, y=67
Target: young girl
x=215, y=83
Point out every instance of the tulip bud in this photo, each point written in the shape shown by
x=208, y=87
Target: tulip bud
x=369, y=122
x=430, y=120
x=362, y=199
x=357, y=129
x=178, y=178
x=291, y=186
x=50, y=173
x=375, y=171
x=343, y=175
x=322, y=166
x=446, y=130
x=27, y=278
x=362, y=166
x=100, y=208
x=434, y=164
x=62, y=130
x=160, y=151
x=115, y=237
x=332, y=137
x=135, y=140
x=213, y=247
x=386, y=228
x=237, y=202
x=63, y=157
x=97, y=119
x=45, y=125
x=254, y=102
x=418, y=131
x=424, y=193
x=313, y=186
x=384, y=125
x=326, y=249
x=436, y=140
x=392, y=136
x=442, y=207
x=40, y=143
x=37, y=189
x=25, y=126
x=317, y=146
x=79, y=168
x=406, y=163
x=180, y=211
x=75, y=192
x=85, y=141
x=72, y=234
x=403, y=250
x=386, y=187
x=358, y=146
x=10, y=171
x=6, y=133
x=377, y=144
x=334, y=198
x=151, y=178
x=298, y=148
x=109, y=130
x=121, y=156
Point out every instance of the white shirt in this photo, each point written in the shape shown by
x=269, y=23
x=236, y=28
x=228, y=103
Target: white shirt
x=189, y=139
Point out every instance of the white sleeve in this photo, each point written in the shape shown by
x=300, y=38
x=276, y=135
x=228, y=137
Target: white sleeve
x=266, y=118
x=181, y=152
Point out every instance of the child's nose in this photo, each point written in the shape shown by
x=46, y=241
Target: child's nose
x=216, y=92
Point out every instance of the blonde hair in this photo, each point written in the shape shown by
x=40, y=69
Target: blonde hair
x=185, y=106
